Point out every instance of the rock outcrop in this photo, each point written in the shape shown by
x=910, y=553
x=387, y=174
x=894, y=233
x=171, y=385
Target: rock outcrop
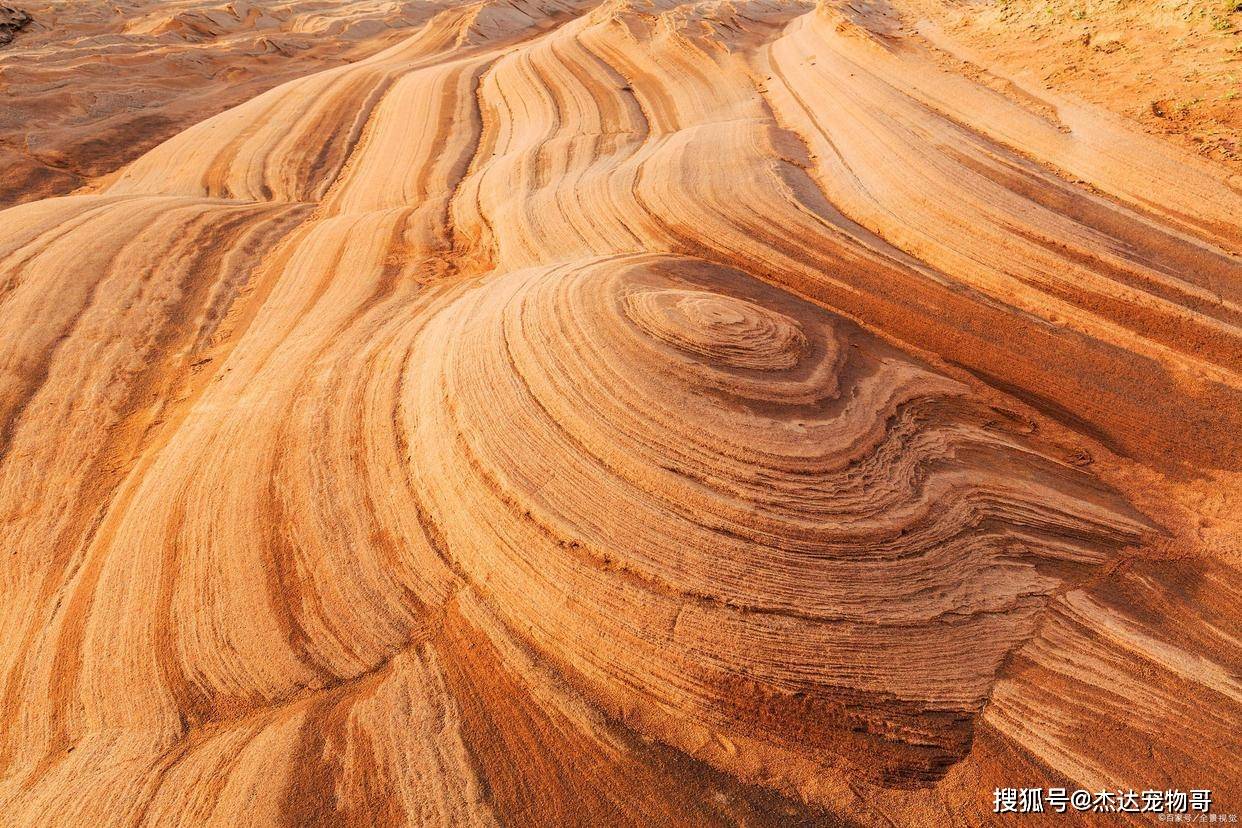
x=12, y=21
x=620, y=413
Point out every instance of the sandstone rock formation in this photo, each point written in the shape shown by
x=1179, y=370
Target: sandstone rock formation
x=621, y=413
x=12, y=21
x=88, y=86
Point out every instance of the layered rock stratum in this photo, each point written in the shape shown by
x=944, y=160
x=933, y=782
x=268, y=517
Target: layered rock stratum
x=626, y=413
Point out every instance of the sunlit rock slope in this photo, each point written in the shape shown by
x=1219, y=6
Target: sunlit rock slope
x=623, y=413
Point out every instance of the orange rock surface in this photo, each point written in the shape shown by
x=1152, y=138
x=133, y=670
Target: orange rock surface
x=635, y=412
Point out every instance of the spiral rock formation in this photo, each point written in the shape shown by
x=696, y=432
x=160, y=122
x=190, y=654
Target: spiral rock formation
x=624, y=413
x=811, y=539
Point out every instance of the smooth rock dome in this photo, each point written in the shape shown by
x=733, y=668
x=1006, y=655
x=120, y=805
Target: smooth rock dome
x=719, y=329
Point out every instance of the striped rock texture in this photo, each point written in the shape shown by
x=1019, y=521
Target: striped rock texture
x=624, y=413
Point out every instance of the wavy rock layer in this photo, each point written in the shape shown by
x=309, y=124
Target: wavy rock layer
x=789, y=499
x=679, y=413
x=89, y=86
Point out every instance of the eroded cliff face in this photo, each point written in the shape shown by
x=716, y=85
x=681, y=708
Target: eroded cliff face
x=625, y=413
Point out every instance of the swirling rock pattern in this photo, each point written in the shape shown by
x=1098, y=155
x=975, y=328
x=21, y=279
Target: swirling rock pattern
x=788, y=499
x=618, y=414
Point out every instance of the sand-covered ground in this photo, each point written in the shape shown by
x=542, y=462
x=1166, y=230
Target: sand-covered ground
x=623, y=413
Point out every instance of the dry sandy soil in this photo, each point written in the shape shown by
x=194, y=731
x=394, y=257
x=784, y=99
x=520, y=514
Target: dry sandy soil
x=617, y=413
